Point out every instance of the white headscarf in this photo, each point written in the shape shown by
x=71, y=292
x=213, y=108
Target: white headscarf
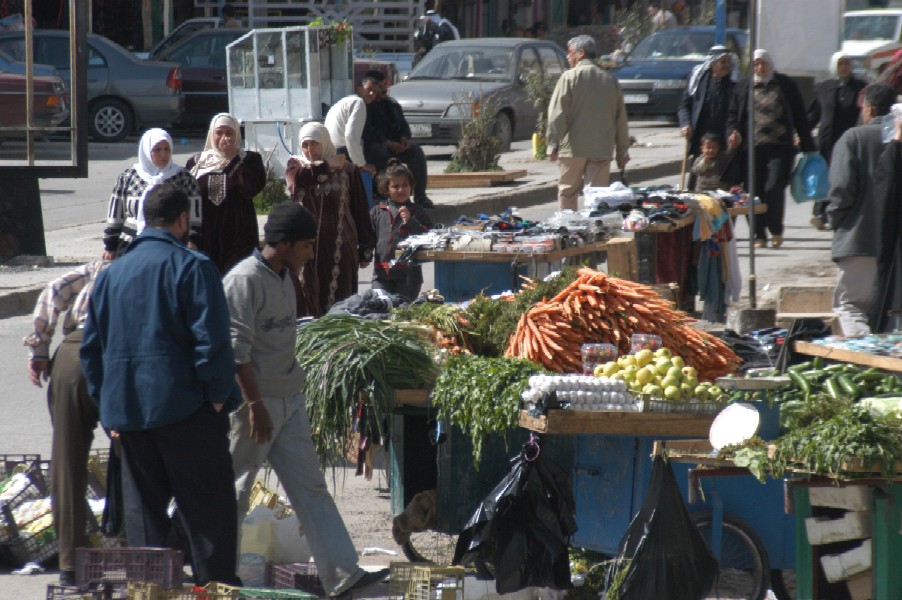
x=318, y=133
x=766, y=57
x=834, y=62
x=211, y=159
x=148, y=171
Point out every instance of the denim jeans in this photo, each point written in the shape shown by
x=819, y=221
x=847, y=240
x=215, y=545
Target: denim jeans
x=290, y=451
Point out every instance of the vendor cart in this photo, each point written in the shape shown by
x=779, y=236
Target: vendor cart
x=608, y=454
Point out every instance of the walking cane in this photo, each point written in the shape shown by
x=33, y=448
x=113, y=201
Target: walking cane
x=683, y=169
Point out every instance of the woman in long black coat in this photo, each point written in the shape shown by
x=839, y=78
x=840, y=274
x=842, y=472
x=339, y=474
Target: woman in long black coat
x=834, y=109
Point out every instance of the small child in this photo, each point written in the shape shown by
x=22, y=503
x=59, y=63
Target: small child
x=393, y=221
x=713, y=169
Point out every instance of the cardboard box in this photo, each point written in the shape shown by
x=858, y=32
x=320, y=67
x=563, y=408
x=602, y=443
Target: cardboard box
x=854, y=525
x=839, y=567
x=856, y=497
x=861, y=587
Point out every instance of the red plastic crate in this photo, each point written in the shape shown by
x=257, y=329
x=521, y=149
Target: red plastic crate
x=296, y=576
x=162, y=566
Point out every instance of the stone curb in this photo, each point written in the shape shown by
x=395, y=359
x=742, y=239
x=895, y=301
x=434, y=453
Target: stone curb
x=19, y=302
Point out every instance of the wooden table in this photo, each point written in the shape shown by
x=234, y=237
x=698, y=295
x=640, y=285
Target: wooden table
x=572, y=422
x=850, y=356
x=462, y=275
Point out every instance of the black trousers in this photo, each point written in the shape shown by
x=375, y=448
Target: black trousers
x=415, y=159
x=190, y=461
x=773, y=167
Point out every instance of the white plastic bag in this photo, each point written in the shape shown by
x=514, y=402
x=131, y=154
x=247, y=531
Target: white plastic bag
x=279, y=540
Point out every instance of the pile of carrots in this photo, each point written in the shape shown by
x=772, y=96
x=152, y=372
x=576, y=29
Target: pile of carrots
x=599, y=308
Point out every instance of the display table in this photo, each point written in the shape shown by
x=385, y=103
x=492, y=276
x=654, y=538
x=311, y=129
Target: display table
x=461, y=275
x=887, y=363
x=570, y=422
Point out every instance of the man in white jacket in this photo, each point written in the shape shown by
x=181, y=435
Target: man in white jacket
x=346, y=119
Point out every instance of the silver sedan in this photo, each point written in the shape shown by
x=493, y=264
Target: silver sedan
x=125, y=94
x=440, y=93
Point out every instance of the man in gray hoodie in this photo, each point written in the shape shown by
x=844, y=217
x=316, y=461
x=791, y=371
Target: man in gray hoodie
x=272, y=422
x=853, y=213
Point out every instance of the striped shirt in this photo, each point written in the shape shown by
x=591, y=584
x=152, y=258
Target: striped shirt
x=122, y=220
x=68, y=294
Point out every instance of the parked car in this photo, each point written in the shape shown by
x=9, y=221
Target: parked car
x=49, y=106
x=124, y=93
x=202, y=59
x=655, y=74
x=182, y=31
x=436, y=96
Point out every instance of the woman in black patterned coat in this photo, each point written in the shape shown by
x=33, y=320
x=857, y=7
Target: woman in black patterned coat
x=125, y=214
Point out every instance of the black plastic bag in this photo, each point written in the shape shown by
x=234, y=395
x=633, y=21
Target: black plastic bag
x=662, y=555
x=522, y=528
x=804, y=330
x=113, y=510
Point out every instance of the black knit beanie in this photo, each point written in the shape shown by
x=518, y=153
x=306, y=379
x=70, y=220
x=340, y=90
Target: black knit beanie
x=289, y=222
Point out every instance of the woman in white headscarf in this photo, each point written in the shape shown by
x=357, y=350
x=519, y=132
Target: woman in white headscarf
x=779, y=115
x=125, y=214
x=229, y=178
x=330, y=187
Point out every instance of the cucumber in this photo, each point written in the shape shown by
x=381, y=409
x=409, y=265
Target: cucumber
x=832, y=387
x=849, y=388
x=818, y=362
x=800, y=382
x=803, y=366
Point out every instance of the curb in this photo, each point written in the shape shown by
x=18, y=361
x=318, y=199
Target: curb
x=540, y=193
x=19, y=302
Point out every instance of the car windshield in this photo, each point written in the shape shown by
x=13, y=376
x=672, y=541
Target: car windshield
x=465, y=62
x=871, y=27
x=674, y=46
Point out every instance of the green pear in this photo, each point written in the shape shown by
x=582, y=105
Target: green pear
x=663, y=352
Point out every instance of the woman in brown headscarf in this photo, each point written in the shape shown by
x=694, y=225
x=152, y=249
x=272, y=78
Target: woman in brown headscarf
x=330, y=187
x=229, y=178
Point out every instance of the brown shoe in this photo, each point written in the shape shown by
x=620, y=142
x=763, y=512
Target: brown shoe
x=776, y=241
x=760, y=243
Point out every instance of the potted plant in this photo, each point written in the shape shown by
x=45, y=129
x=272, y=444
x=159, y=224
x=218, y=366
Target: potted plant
x=539, y=90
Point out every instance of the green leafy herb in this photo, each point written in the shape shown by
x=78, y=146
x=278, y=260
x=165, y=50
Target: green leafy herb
x=482, y=395
x=345, y=356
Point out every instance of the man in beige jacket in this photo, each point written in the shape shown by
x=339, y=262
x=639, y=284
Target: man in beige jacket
x=586, y=123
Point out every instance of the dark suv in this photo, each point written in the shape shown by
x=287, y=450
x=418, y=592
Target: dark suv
x=656, y=72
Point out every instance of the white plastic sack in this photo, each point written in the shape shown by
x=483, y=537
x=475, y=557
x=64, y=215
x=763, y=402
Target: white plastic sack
x=279, y=540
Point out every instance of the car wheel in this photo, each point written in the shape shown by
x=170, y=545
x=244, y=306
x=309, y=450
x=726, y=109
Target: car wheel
x=110, y=120
x=504, y=131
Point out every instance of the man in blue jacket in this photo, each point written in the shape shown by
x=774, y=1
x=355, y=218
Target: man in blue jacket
x=158, y=360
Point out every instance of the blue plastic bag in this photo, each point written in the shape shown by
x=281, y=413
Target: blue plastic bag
x=811, y=179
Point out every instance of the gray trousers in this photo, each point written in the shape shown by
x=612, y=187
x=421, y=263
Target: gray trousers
x=854, y=293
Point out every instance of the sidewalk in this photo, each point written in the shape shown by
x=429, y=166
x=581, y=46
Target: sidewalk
x=657, y=153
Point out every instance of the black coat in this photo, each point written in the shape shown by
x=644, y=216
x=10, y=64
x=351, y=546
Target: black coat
x=793, y=108
x=834, y=118
x=887, y=196
x=690, y=110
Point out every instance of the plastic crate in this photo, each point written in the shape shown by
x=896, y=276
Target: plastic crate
x=296, y=576
x=16, y=463
x=98, y=463
x=271, y=593
x=33, y=491
x=161, y=566
x=399, y=579
x=68, y=592
x=138, y=590
x=436, y=583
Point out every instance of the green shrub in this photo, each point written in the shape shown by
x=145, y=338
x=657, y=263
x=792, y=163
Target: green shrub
x=478, y=148
x=274, y=192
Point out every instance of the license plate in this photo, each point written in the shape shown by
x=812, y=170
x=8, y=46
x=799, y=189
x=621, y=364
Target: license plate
x=635, y=98
x=420, y=130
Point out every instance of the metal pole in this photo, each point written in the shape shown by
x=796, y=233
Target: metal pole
x=750, y=144
x=720, y=22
